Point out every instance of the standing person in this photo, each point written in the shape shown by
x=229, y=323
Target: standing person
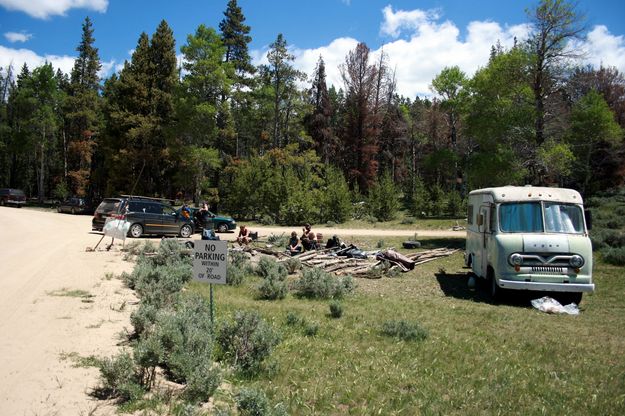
x=294, y=246
x=186, y=211
x=244, y=236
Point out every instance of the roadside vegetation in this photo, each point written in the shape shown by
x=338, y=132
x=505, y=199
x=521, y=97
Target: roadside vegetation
x=608, y=232
x=419, y=342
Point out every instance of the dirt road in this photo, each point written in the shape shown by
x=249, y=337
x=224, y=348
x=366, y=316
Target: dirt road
x=57, y=299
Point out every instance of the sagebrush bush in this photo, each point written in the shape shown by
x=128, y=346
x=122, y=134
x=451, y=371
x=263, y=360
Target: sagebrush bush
x=404, y=330
x=614, y=255
x=278, y=240
x=202, y=382
x=148, y=354
x=247, y=341
x=292, y=318
x=408, y=221
x=311, y=329
x=273, y=287
x=119, y=378
x=238, y=259
x=144, y=317
x=252, y=402
x=336, y=309
x=316, y=283
x=187, y=337
x=292, y=265
x=269, y=267
x=235, y=275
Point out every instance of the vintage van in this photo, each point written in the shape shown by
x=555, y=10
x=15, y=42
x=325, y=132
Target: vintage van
x=529, y=238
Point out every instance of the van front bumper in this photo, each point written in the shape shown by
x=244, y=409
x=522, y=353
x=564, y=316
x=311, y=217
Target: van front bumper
x=546, y=287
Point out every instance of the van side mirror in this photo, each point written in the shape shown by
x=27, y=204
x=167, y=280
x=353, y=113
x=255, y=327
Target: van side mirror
x=588, y=216
x=480, y=220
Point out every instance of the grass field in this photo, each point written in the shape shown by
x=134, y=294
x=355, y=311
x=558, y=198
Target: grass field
x=478, y=358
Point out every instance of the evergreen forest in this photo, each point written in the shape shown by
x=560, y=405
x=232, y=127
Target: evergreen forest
x=271, y=142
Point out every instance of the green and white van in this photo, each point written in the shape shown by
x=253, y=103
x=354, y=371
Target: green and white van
x=529, y=238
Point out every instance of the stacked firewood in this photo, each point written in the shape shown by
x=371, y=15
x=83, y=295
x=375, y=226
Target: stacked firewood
x=368, y=267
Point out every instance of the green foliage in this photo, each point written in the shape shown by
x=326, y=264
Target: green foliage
x=292, y=264
x=61, y=191
x=268, y=267
x=251, y=402
x=404, y=330
x=383, y=200
x=273, y=287
x=235, y=275
x=335, y=201
x=455, y=205
x=186, y=335
x=317, y=284
x=247, y=341
x=614, y=255
x=119, y=378
x=416, y=197
x=336, y=309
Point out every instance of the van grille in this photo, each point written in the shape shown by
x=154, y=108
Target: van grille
x=548, y=269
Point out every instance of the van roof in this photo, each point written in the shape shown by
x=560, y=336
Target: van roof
x=531, y=193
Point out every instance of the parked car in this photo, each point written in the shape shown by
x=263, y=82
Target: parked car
x=145, y=215
x=75, y=205
x=10, y=196
x=219, y=223
x=109, y=207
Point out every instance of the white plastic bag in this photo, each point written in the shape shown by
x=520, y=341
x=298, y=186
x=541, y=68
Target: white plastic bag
x=550, y=305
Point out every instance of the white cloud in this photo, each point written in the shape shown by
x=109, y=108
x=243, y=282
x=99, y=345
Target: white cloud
x=600, y=47
x=19, y=57
x=426, y=47
x=422, y=46
x=410, y=20
x=17, y=37
x=42, y=9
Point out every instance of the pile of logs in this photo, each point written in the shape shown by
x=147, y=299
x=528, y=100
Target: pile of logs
x=369, y=267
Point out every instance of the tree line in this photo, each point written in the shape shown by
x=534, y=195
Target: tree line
x=252, y=141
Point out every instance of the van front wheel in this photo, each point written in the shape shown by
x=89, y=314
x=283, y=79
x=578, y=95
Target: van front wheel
x=495, y=290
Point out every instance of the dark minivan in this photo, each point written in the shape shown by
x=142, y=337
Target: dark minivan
x=10, y=196
x=75, y=205
x=145, y=215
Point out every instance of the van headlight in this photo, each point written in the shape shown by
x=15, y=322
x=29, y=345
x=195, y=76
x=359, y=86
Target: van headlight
x=515, y=259
x=576, y=261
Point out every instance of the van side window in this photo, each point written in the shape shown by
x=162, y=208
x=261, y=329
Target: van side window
x=470, y=214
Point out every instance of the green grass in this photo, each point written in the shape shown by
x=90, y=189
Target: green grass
x=478, y=357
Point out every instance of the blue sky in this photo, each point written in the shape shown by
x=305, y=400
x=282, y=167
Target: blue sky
x=419, y=37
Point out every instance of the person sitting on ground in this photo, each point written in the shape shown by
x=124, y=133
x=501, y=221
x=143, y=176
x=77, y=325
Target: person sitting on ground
x=244, y=236
x=294, y=246
x=309, y=240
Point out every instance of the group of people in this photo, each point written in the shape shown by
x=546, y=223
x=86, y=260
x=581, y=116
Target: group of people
x=307, y=241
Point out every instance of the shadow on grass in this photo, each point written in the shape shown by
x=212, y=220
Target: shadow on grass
x=447, y=242
x=456, y=285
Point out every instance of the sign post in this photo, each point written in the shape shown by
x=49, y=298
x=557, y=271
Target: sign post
x=210, y=262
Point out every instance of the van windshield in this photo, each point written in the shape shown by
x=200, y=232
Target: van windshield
x=527, y=217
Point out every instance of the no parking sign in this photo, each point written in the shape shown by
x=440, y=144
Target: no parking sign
x=210, y=259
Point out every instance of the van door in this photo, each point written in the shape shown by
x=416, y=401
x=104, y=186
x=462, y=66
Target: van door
x=169, y=220
x=484, y=230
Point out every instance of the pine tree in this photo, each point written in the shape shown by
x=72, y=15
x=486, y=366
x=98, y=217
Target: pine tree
x=140, y=115
x=235, y=37
x=359, y=130
x=319, y=121
x=83, y=113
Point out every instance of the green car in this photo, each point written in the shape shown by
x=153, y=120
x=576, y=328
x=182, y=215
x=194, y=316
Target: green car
x=207, y=219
